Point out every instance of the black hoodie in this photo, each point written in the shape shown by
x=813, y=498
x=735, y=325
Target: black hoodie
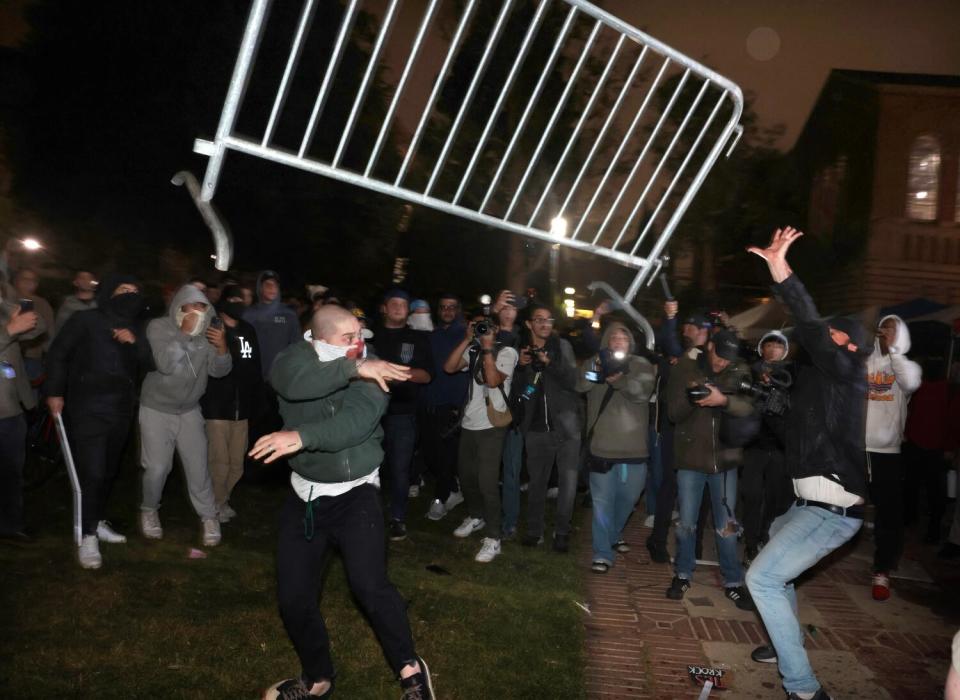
x=94, y=372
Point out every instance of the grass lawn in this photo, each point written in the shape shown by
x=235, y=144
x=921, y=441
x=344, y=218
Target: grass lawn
x=153, y=623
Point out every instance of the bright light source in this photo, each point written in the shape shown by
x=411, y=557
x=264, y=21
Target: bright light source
x=558, y=227
x=485, y=299
x=213, y=257
x=619, y=355
x=31, y=244
x=921, y=195
x=595, y=325
x=569, y=290
x=570, y=311
x=569, y=302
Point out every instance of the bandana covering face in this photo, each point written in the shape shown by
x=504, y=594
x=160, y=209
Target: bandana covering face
x=201, y=321
x=327, y=352
x=420, y=322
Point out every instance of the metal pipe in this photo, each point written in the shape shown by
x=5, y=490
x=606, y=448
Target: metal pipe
x=625, y=304
x=365, y=83
x=414, y=53
x=74, y=479
x=345, y=24
x=222, y=239
x=306, y=19
x=468, y=98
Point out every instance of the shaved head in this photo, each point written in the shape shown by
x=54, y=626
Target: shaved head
x=327, y=321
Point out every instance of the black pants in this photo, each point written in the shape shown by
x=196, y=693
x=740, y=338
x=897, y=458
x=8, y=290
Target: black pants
x=97, y=443
x=353, y=524
x=439, y=443
x=929, y=469
x=766, y=492
x=13, y=452
x=886, y=491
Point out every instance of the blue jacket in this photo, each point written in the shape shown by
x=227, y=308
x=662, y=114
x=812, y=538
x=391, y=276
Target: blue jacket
x=276, y=324
x=446, y=389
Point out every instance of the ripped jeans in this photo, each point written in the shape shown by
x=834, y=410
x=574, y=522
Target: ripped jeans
x=723, y=486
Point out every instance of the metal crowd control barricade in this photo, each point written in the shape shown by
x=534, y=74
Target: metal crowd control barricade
x=615, y=159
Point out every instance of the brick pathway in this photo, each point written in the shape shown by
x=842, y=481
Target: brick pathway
x=639, y=644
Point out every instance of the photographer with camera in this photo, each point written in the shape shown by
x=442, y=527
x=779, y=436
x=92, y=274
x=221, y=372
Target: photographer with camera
x=618, y=385
x=765, y=488
x=490, y=369
x=824, y=448
x=505, y=310
x=704, y=405
x=551, y=423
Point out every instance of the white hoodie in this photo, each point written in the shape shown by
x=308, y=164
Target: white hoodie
x=891, y=378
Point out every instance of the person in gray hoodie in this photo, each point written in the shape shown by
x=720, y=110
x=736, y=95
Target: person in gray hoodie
x=276, y=324
x=186, y=350
x=84, y=299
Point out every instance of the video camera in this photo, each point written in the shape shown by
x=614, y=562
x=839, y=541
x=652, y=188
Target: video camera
x=608, y=363
x=770, y=397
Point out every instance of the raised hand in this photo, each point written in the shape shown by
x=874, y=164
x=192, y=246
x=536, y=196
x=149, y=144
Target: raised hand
x=776, y=253
x=381, y=372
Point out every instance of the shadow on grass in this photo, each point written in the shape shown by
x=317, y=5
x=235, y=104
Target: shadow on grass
x=153, y=623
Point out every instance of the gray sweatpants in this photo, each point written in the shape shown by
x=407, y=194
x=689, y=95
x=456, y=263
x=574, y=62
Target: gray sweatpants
x=160, y=434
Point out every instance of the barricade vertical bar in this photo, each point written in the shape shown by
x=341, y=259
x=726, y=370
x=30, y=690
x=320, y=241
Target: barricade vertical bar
x=465, y=105
x=238, y=85
x=365, y=83
x=628, y=134
x=306, y=18
x=437, y=84
x=663, y=160
x=544, y=75
x=553, y=117
x=345, y=24
x=414, y=53
x=576, y=130
x=643, y=153
x=603, y=130
x=679, y=173
x=507, y=85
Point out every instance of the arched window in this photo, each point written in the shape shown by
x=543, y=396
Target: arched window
x=923, y=179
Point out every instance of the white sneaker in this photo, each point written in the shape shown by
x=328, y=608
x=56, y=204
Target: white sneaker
x=437, y=510
x=150, y=524
x=225, y=513
x=470, y=526
x=211, y=533
x=453, y=500
x=89, y=552
x=649, y=520
x=413, y=491
x=553, y=492
x=489, y=550
x=108, y=534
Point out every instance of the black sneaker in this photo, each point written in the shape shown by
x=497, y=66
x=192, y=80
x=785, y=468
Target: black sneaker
x=561, y=543
x=658, y=553
x=621, y=546
x=419, y=686
x=821, y=695
x=750, y=553
x=678, y=587
x=293, y=689
x=532, y=540
x=740, y=596
x=764, y=655
x=398, y=531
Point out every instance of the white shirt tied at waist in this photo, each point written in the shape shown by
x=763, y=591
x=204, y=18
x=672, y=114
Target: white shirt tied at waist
x=820, y=488
x=311, y=490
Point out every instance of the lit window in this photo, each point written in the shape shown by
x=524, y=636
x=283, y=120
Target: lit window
x=923, y=179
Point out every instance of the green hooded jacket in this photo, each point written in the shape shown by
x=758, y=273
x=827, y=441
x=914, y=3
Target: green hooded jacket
x=336, y=414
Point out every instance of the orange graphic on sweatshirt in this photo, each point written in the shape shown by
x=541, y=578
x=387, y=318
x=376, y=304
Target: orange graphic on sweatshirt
x=881, y=385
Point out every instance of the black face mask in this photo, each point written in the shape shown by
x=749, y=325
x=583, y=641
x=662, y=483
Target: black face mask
x=233, y=309
x=126, y=306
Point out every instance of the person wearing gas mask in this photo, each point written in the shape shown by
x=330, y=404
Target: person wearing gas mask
x=702, y=401
x=229, y=402
x=92, y=371
x=332, y=433
x=618, y=385
x=186, y=351
x=765, y=488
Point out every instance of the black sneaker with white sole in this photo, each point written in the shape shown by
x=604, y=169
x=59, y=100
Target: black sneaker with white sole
x=821, y=695
x=765, y=654
x=398, y=530
x=740, y=597
x=419, y=686
x=678, y=587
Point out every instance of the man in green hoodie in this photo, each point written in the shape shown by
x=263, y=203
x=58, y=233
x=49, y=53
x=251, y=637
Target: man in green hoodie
x=332, y=418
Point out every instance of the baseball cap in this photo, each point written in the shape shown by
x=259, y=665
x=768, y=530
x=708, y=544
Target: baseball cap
x=726, y=345
x=396, y=293
x=419, y=304
x=699, y=320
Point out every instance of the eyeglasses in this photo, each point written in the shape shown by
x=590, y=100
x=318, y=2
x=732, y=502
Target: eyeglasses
x=448, y=307
x=546, y=321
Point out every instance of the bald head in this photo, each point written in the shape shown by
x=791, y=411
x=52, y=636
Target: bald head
x=335, y=325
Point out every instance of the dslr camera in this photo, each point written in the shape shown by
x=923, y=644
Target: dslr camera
x=608, y=363
x=770, y=397
x=536, y=364
x=482, y=327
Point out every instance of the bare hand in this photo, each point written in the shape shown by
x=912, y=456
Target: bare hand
x=503, y=298
x=671, y=308
x=276, y=445
x=543, y=357
x=716, y=398
x=604, y=308
x=55, y=404
x=526, y=357
x=21, y=321
x=611, y=378
x=487, y=341
x=382, y=372
x=217, y=339
x=124, y=335
x=776, y=253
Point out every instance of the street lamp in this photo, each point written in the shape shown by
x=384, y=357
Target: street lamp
x=31, y=244
x=569, y=290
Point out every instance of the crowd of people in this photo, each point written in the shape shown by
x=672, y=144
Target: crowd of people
x=779, y=448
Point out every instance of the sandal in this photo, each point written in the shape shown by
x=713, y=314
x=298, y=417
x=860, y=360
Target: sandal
x=599, y=567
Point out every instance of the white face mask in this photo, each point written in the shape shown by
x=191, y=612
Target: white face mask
x=420, y=322
x=198, y=327
x=327, y=352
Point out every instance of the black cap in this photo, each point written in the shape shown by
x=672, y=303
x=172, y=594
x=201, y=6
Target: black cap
x=699, y=320
x=726, y=345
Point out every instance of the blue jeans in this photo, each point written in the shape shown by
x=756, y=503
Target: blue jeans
x=655, y=470
x=689, y=494
x=399, y=441
x=798, y=539
x=512, y=464
x=614, y=496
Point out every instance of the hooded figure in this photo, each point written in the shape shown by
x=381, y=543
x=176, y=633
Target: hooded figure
x=185, y=354
x=777, y=337
x=92, y=371
x=276, y=324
